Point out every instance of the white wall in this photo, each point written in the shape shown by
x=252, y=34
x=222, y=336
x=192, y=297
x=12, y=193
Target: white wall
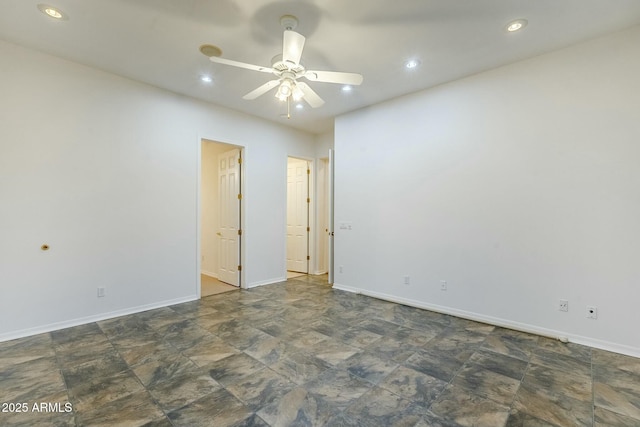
x=324, y=142
x=518, y=186
x=105, y=171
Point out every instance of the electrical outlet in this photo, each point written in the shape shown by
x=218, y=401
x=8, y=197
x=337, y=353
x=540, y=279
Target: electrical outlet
x=101, y=292
x=592, y=312
x=407, y=280
x=443, y=285
x=563, y=305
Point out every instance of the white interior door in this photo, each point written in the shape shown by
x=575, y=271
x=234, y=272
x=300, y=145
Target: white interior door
x=229, y=216
x=297, y=215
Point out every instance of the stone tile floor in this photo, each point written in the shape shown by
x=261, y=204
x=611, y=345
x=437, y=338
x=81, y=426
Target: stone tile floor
x=299, y=353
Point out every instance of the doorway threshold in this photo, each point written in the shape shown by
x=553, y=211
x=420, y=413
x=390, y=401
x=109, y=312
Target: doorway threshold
x=292, y=274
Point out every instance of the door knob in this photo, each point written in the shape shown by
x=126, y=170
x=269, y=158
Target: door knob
x=219, y=234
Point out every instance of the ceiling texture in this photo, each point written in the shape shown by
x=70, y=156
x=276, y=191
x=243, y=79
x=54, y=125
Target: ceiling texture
x=157, y=42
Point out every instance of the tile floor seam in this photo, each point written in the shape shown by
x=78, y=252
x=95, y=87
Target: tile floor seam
x=515, y=395
x=449, y=384
x=139, y=380
x=157, y=403
x=64, y=378
x=155, y=400
x=502, y=404
x=130, y=370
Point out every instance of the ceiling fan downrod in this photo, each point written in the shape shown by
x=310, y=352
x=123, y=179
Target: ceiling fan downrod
x=288, y=107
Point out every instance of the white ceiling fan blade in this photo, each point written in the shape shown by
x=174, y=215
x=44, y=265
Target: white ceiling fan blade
x=240, y=64
x=262, y=89
x=310, y=96
x=292, y=45
x=334, y=77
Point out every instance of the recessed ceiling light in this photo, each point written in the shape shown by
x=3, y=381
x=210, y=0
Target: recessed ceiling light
x=516, y=25
x=412, y=63
x=347, y=88
x=206, y=79
x=52, y=12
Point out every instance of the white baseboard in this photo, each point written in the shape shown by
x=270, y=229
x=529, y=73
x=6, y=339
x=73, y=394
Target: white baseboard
x=90, y=319
x=266, y=282
x=505, y=323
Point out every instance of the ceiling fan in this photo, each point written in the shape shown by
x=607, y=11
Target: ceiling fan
x=288, y=69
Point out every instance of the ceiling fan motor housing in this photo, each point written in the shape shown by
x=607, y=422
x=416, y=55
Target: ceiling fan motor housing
x=282, y=67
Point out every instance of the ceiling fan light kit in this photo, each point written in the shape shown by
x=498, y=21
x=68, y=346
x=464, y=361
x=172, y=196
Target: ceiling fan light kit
x=285, y=90
x=288, y=69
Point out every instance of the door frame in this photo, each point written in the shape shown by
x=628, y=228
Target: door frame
x=241, y=245
x=311, y=243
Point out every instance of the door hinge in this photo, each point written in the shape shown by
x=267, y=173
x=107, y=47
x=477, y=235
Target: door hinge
x=308, y=229
x=308, y=171
x=239, y=196
x=308, y=257
x=239, y=160
x=239, y=232
x=308, y=200
x=239, y=268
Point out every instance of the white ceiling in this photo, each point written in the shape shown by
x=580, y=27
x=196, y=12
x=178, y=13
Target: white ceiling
x=157, y=41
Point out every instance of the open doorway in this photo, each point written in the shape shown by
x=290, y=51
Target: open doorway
x=220, y=217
